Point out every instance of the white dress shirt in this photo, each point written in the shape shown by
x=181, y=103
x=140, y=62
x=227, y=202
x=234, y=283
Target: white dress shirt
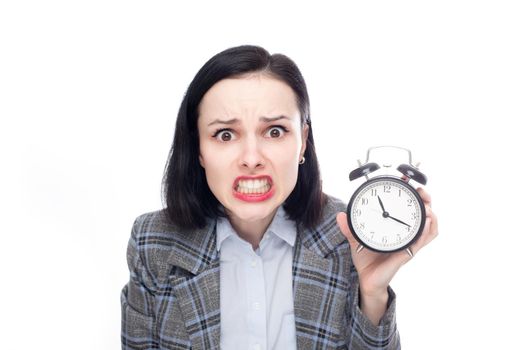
x=256, y=295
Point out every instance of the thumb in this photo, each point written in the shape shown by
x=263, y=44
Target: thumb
x=345, y=229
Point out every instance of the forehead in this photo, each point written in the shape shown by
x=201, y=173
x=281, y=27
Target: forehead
x=255, y=95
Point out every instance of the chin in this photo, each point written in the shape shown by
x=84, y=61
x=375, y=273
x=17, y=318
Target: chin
x=251, y=212
x=254, y=213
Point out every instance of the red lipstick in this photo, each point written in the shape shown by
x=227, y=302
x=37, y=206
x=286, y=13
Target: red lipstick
x=253, y=197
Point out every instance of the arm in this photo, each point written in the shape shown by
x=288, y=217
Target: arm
x=371, y=274
x=137, y=302
x=374, y=306
x=363, y=333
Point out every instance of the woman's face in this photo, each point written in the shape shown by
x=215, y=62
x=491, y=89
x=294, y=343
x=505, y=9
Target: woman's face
x=251, y=142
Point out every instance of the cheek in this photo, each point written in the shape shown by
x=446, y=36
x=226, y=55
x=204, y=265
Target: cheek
x=285, y=159
x=216, y=169
x=213, y=168
x=208, y=155
x=217, y=182
x=287, y=169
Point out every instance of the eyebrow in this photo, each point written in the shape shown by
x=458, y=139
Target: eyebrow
x=235, y=120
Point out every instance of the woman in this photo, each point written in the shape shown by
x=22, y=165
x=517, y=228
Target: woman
x=249, y=253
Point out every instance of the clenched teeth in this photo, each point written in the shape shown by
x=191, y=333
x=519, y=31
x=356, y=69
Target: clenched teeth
x=253, y=186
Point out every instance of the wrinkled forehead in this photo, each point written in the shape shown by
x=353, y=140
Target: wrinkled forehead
x=248, y=97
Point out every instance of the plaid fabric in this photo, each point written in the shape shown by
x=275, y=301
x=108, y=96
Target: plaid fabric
x=172, y=298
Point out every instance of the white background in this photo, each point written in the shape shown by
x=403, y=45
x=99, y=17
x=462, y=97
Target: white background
x=89, y=92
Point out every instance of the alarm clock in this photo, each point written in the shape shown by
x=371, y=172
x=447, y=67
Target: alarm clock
x=386, y=213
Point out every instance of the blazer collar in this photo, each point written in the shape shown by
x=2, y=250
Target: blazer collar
x=194, y=250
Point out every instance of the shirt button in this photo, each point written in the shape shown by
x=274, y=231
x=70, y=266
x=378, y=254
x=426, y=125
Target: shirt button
x=253, y=263
x=256, y=306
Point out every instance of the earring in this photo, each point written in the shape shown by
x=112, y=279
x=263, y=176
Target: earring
x=302, y=160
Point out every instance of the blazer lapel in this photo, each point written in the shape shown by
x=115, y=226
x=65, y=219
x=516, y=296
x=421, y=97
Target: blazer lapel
x=196, y=286
x=320, y=283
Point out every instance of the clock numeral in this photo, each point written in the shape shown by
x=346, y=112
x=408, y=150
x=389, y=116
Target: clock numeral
x=372, y=233
x=387, y=188
x=413, y=216
x=357, y=212
x=399, y=193
x=384, y=240
x=364, y=201
x=374, y=192
x=361, y=226
x=409, y=202
x=408, y=228
x=399, y=238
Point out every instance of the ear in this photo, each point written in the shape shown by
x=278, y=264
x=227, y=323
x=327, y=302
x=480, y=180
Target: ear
x=305, y=131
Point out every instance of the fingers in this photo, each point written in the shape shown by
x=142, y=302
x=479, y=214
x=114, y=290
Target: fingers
x=433, y=225
x=432, y=221
x=425, y=196
x=428, y=210
x=430, y=231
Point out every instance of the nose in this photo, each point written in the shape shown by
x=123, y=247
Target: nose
x=251, y=156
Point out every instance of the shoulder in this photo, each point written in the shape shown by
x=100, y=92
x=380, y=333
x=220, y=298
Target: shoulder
x=152, y=221
x=158, y=245
x=150, y=245
x=333, y=206
x=154, y=231
x=326, y=238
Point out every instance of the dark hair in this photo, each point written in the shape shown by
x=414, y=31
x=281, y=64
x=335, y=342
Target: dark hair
x=188, y=199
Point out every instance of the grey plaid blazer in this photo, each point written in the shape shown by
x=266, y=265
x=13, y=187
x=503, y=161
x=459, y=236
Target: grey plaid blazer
x=172, y=298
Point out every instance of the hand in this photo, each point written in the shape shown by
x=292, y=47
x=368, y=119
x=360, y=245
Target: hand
x=376, y=270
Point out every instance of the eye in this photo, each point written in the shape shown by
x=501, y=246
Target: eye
x=224, y=135
x=276, y=131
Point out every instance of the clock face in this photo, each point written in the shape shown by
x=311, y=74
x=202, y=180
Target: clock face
x=386, y=214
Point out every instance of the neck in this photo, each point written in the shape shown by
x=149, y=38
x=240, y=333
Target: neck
x=251, y=231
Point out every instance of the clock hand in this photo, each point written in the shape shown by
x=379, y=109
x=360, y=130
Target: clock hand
x=393, y=218
x=381, y=204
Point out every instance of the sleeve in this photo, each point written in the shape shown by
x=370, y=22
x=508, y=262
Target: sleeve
x=138, y=302
x=362, y=333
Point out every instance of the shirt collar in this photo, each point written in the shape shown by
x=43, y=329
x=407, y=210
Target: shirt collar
x=224, y=230
x=281, y=226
